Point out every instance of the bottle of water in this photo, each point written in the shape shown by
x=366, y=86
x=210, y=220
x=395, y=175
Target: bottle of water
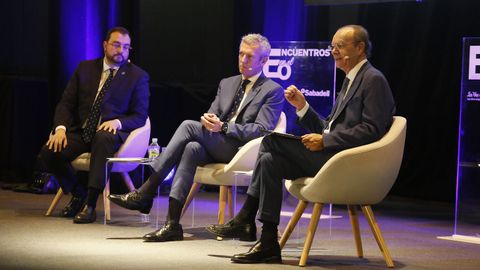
x=153, y=149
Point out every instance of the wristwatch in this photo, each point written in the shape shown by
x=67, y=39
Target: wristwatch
x=224, y=127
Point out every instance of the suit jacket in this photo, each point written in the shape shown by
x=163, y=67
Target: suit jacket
x=126, y=99
x=364, y=116
x=260, y=110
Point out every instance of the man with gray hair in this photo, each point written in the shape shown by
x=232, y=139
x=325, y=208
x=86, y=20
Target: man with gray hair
x=245, y=105
x=362, y=114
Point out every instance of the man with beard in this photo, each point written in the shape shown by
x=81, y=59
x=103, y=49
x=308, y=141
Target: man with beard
x=104, y=101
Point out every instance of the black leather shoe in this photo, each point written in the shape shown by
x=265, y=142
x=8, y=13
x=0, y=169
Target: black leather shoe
x=133, y=201
x=260, y=253
x=243, y=231
x=38, y=186
x=169, y=232
x=88, y=215
x=73, y=207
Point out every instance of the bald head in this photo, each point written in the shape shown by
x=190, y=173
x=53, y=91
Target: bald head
x=358, y=34
x=350, y=45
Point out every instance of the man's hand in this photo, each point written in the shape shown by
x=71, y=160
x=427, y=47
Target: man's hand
x=295, y=97
x=313, y=141
x=211, y=122
x=58, y=141
x=110, y=126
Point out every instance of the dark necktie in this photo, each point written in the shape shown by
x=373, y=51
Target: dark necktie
x=94, y=115
x=237, y=100
x=341, y=95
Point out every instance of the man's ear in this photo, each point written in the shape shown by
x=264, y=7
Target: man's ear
x=264, y=60
x=361, y=46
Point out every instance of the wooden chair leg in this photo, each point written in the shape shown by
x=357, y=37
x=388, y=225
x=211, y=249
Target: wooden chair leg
x=222, y=201
x=55, y=201
x=355, y=229
x=367, y=211
x=193, y=191
x=230, y=202
x=127, y=180
x=293, y=222
x=106, y=201
x=312, y=228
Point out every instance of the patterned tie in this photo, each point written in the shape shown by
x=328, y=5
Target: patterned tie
x=94, y=115
x=237, y=100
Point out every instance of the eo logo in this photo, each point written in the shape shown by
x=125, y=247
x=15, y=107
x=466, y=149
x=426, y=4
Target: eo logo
x=283, y=67
x=474, y=63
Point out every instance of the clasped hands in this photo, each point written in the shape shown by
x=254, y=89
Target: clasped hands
x=312, y=141
x=211, y=122
x=58, y=141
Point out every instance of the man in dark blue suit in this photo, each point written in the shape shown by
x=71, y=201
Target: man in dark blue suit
x=362, y=114
x=103, y=102
x=245, y=105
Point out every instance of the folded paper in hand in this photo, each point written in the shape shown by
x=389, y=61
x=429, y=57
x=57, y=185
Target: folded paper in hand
x=130, y=159
x=285, y=135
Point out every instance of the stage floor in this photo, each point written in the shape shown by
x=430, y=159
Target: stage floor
x=29, y=240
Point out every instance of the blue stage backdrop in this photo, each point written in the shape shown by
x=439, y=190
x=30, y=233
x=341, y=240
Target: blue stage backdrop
x=310, y=67
x=468, y=170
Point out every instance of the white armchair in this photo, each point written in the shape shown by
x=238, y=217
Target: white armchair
x=222, y=174
x=134, y=146
x=358, y=176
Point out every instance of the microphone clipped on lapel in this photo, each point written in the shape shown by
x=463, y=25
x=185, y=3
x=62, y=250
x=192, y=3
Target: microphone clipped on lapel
x=123, y=72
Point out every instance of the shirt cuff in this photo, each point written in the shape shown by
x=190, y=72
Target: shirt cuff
x=119, y=124
x=303, y=111
x=61, y=127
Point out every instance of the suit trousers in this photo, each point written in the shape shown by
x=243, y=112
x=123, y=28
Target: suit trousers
x=191, y=145
x=103, y=146
x=281, y=158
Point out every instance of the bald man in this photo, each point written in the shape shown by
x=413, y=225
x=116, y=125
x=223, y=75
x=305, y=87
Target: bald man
x=363, y=113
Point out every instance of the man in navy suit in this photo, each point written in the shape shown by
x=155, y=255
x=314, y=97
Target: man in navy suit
x=103, y=102
x=245, y=105
x=362, y=114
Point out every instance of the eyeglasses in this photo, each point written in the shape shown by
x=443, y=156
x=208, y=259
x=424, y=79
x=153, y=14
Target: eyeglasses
x=118, y=45
x=339, y=45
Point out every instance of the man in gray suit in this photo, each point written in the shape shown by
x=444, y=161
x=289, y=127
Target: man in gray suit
x=362, y=114
x=245, y=105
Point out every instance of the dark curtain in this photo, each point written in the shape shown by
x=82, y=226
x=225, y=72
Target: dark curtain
x=187, y=47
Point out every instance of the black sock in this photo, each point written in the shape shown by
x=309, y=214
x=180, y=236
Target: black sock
x=79, y=190
x=248, y=212
x=174, y=210
x=92, y=197
x=269, y=233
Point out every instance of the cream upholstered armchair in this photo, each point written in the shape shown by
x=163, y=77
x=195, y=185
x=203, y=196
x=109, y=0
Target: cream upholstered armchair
x=358, y=176
x=134, y=146
x=223, y=175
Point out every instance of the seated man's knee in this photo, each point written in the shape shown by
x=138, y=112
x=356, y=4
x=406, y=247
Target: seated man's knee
x=103, y=136
x=189, y=124
x=267, y=143
x=265, y=158
x=193, y=147
x=46, y=154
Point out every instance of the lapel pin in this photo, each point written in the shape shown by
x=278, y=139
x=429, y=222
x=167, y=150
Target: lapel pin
x=123, y=73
